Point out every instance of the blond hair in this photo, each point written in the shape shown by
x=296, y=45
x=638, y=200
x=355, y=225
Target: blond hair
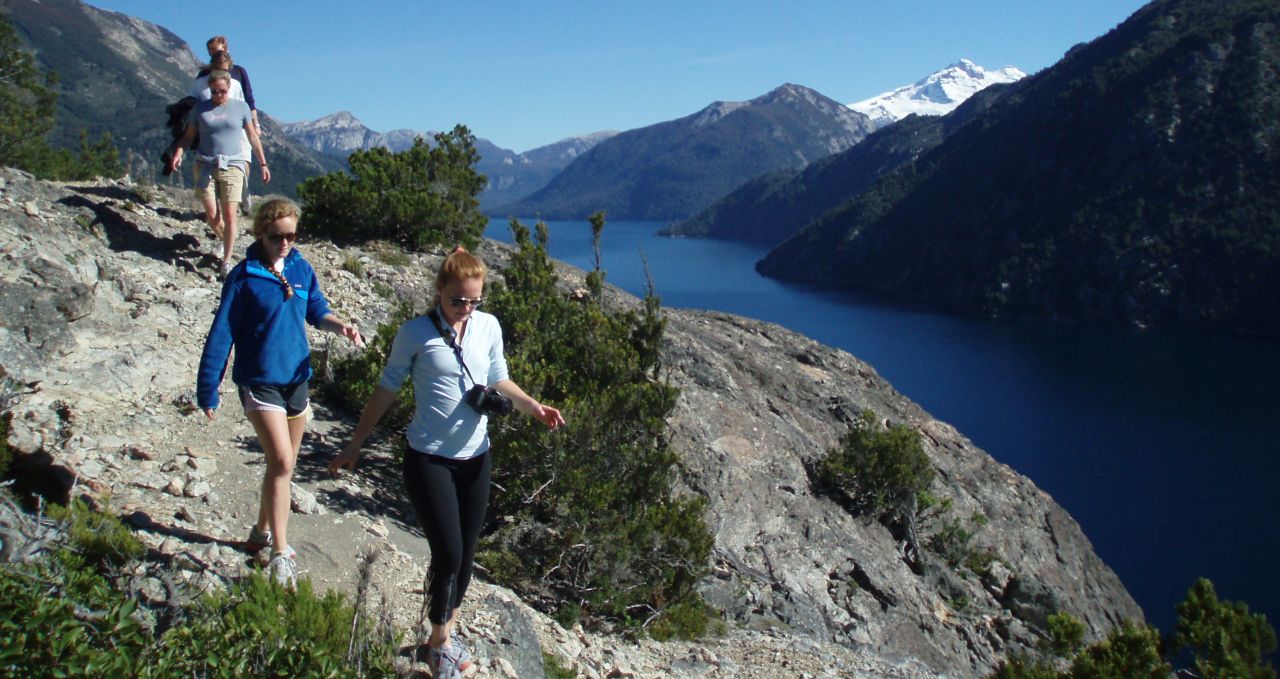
x=459, y=265
x=273, y=208
x=268, y=212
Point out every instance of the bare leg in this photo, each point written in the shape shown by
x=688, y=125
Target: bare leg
x=211, y=215
x=280, y=438
x=229, y=212
x=440, y=633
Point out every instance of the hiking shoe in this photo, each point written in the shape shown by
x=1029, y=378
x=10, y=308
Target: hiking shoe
x=458, y=652
x=284, y=568
x=258, y=540
x=443, y=665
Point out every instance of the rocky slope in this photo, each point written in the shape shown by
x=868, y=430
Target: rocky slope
x=104, y=302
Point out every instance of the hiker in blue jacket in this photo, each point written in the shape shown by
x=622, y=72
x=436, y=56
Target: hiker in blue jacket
x=267, y=300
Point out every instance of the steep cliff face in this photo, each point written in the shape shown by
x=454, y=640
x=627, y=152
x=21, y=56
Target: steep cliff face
x=104, y=302
x=759, y=405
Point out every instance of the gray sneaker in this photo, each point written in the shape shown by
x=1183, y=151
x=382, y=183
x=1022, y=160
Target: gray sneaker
x=443, y=665
x=284, y=568
x=258, y=540
x=461, y=656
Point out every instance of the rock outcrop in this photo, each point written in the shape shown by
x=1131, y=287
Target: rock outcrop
x=105, y=299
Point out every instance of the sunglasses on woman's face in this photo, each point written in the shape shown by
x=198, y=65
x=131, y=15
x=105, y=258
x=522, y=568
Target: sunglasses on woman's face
x=463, y=301
x=278, y=237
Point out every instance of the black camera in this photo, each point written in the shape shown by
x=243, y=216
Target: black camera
x=488, y=401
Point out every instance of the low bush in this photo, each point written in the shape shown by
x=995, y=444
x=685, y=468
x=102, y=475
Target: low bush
x=75, y=611
x=422, y=197
x=877, y=472
x=584, y=521
x=1222, y=640
x=99, y=537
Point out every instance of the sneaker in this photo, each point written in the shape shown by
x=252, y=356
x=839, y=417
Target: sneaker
x=258, y=540
x=443, y=665
x=225, y=269
x=284, y=568
x=458, y=652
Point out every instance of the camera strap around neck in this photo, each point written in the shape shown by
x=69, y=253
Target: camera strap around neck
x=453, y=344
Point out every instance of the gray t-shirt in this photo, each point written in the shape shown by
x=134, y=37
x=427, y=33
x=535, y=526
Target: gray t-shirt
x=220, y=127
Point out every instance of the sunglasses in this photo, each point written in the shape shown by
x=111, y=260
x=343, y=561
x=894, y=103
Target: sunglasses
x=463, y=301
x=287, y=237
x=212, y=91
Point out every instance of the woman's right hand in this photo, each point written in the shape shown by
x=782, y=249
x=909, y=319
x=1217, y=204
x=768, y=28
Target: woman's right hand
x=345, y=460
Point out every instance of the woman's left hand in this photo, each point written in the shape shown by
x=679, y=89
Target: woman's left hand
x=548, y=416
x=353, y=334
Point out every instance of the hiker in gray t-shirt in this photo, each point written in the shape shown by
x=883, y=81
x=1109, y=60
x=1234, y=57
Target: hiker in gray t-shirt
x=221, y=158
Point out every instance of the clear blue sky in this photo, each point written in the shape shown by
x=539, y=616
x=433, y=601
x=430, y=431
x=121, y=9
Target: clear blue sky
x=526, y=74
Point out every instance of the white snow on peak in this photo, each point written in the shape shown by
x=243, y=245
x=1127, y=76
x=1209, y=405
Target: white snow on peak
x=936, y=94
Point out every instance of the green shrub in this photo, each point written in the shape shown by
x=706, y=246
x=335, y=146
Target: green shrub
x=100, y=538
x=257, y=628
x=353, y=265
x=554, y=668
x=422, y=197
x=1129, y=652
x=1223, y=640
x=391, y=255
x=879, y=473
x=60, y=616
x=1065, y=635
x=584, y=521
x=1226, y=639
x=952, y=543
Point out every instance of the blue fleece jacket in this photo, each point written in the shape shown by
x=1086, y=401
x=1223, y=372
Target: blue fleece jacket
x=267, y=331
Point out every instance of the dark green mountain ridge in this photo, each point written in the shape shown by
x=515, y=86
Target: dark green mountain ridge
x=1136, y=179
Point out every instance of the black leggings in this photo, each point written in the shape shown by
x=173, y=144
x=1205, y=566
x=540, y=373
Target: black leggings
x=450, y=498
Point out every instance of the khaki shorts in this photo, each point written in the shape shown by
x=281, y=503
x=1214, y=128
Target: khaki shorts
x=227, y=184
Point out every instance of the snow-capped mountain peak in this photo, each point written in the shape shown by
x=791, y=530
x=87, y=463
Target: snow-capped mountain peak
x=936, y=94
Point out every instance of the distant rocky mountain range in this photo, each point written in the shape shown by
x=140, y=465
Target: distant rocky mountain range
x=771, y=208
x=511, y=175
x=144, y=68
x=1136, y=179
x=937, y=94
x=673, y=169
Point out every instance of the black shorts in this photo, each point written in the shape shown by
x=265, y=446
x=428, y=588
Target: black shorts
x=291, y=399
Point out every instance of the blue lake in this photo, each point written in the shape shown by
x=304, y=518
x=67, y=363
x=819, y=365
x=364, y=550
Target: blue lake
x=1161, y=443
